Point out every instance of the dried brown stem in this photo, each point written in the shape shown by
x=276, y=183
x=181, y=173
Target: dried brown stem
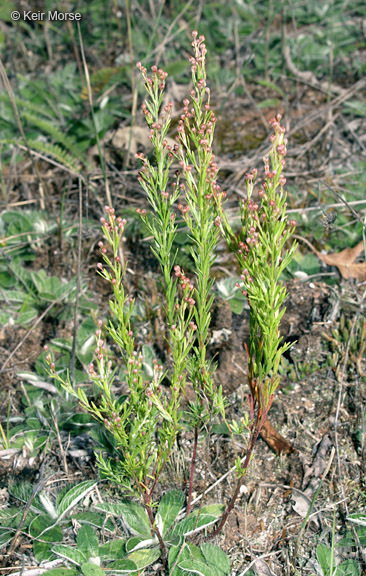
x=224, y=517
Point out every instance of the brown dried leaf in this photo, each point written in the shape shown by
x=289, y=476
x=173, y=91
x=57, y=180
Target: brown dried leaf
x=344, y=261
x=275, y=441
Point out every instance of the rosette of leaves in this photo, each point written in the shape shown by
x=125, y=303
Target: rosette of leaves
x=46, y=517
x=142, y=548
x=27, y=291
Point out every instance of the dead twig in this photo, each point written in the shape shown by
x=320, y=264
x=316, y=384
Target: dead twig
x=78, y=285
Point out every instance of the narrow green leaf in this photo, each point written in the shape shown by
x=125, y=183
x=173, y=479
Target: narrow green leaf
x=272, y=86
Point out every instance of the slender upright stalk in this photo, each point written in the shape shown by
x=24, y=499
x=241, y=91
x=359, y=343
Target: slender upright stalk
x=239, y=482
x=193, y=464
x=154, y=527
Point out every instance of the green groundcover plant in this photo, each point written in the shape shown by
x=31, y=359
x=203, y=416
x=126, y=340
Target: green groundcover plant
x=146, y=422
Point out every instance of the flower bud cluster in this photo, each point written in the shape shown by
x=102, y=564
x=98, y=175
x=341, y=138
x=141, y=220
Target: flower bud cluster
x=183, y=209
x=200, y=51
x=135, y=364
x=141, y=211
x=266, y=218
x=49, y=359
x=158, y=75
x=113, y=223
x=154, y=389
x=113, y=422
x=186, y=286
x=100, y=349
x=113, y=230
x=195, y=134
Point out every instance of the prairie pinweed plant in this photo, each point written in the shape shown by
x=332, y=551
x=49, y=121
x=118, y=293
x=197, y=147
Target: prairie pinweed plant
x=263, y=249
x=146, y=423
x=196, y=186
